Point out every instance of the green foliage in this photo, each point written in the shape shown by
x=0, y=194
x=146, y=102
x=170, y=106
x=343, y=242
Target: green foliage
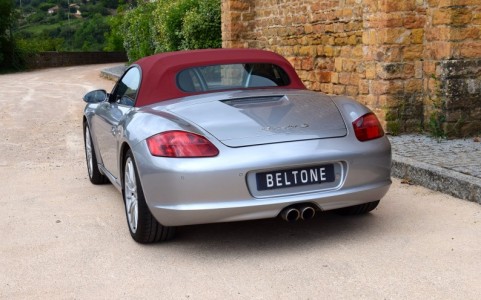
x=137, y=30
x=10, y=56
x=37, y=44
x=168, y=25
x=114, y=39
x=436, y=121
x=64, y=31
x=202, y=26
x=168, y=19
x=90, y=35
x=437, y=117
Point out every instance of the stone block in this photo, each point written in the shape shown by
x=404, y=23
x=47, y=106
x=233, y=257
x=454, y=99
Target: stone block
x=464, y=33
x=439, y=50
x=413, y=21
x=383, y=20
x=370, y=70
x=352, y=91
x=369, y=37
x=327, y=88
x=307, y=51
x=471, y=49
x=438, y=33
x=364, y=87
x=307, y=63
x=324, y=76
x=338, y=89
x=413, y=86
x=394, y=36
x=349, y=65
x=448, y=3
x=354, y=79
x=389, y=53
x=390, y=70
x=418, y=69
x=452, y=16
x=382, y=87
x=334, y=77
x=389, y=102
x=390, y=6
x=417, y=36
x=344, y=78
x=338, y=64
x=357, y=52
x=413, y=52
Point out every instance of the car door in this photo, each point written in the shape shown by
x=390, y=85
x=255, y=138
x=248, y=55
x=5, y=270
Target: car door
x=109, y=116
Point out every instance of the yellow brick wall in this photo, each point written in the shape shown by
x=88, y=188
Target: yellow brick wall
x=388, y=54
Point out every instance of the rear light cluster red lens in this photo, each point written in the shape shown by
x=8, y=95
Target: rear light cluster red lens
x=368, y=128
x=178, y=143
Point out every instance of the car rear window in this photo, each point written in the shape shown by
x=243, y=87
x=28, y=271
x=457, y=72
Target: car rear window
x=231, y=76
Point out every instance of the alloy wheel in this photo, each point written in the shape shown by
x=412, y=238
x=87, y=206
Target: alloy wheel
x=131, y=197
x=88, y=152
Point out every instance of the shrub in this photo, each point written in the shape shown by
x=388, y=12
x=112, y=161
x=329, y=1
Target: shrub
x=202, y=26
x=137, y=29
x=168, y=20
x=169, y=25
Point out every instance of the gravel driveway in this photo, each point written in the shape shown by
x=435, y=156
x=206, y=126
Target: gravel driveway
x=62, y=237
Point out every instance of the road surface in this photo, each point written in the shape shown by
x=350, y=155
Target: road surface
x=62, y=237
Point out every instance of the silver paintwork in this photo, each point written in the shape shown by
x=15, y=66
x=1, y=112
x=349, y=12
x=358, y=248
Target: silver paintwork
x=181, y=191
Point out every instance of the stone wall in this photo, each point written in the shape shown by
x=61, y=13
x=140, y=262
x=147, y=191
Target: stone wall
x=416, y=63
x=62, y=59
x=452, y=66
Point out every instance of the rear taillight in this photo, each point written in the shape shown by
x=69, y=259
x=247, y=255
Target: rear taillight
x=180, y=144
x=367, y=127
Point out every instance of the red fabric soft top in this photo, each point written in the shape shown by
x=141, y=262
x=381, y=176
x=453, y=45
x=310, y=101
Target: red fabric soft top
x=159, y=71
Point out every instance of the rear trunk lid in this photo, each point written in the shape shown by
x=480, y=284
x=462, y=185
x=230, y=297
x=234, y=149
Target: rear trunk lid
x=266, y=118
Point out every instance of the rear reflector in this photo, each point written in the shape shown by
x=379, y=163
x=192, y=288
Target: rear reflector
x=368, y=128
x=180, y=144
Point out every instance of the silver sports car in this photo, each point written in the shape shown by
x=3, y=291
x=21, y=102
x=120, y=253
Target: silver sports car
x=226, y=135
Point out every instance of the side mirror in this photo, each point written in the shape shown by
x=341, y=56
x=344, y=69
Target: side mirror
x=95, y=96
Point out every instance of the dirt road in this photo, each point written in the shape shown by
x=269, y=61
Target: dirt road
x=61, y=237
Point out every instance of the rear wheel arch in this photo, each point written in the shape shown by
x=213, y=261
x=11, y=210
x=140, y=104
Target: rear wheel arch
x=143, y=226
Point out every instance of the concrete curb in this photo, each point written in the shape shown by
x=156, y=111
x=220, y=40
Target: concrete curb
x=113, y=73
x=436, y=178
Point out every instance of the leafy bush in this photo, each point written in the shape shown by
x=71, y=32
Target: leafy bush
x=114, y=39
x=202, y=26
x=168, y=25
x=10, y=56
x=90, y=36
x=168, y=19
x=137, y=29
x=40, y=44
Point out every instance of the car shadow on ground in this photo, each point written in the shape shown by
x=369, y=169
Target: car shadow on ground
x=327, y=228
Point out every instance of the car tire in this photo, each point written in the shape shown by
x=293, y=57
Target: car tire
x=95, y=176
x=358, y=209
x=143, y=227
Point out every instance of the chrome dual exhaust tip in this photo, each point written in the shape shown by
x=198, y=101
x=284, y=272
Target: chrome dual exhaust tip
x=290, y=214
x=293, y=214
x=307, y=212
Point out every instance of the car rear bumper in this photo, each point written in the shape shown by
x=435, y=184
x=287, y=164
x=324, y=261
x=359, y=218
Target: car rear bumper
x=220, y=189
x=251, y=209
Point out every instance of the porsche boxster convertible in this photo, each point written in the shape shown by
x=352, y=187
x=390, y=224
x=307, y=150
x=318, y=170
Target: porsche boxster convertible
x=224, y=135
